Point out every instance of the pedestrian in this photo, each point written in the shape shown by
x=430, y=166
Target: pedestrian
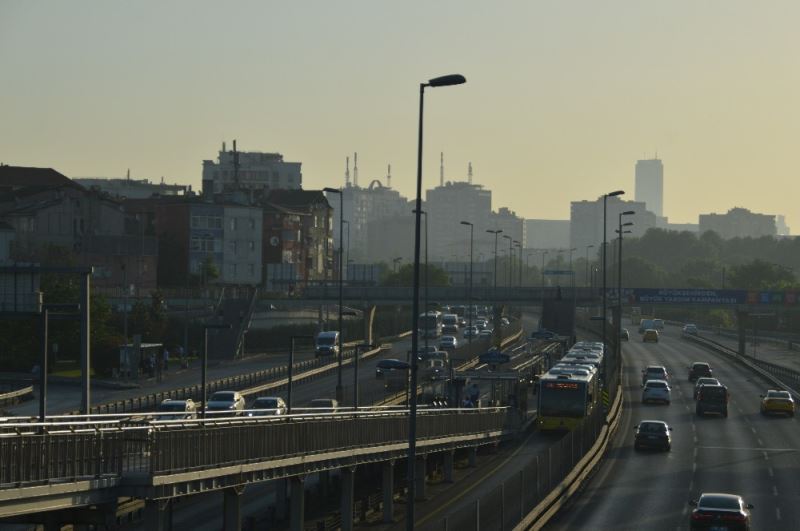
x=152, y=364
x=182, y=356
x=166, y=359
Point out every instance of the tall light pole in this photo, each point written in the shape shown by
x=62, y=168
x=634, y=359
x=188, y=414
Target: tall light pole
x=339, y=388
x=347, y=253
x=518, y=245
x=454, y=79
x=469, y=291
x=605, y=244
x=495, y=232
x=528, y=262
x=544, y=253
x=427, y=303
x=510, y=256
x=587, y=262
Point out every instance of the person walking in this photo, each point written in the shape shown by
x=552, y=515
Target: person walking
x=166, y=359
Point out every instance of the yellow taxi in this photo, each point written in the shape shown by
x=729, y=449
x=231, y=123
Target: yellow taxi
x=777, y=402
x=651, y=334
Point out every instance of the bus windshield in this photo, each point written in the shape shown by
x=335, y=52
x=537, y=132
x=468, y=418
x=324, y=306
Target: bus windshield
x=562, y=399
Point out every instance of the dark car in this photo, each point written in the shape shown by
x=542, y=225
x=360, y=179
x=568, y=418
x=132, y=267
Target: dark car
x=652, y=434
x=712, y=399
x=388, y=366
x=699, y=369
x=715, y=510
x=624, y=335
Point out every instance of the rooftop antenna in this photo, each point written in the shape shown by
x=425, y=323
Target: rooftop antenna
x=235, y=166
x=441, y=168
x=469, y=173
x=347, y=172
x=355, y=169
x=129, y=174
x=223, y=146
x=389, y=177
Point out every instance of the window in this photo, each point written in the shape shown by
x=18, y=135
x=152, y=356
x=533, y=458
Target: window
x=233, y=223
x=252, y=269
x=252, y=223
x=233, y=246
x=196, y=222
x=252, y=245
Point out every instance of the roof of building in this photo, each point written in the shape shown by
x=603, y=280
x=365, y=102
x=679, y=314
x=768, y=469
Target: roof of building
x=272, y=207
x=20, y=176
x=297, y=198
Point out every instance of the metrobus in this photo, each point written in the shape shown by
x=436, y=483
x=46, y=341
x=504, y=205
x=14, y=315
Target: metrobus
x=566, y=399
x=430, y=324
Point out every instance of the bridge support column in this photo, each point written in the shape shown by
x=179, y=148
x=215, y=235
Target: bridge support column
x=297, y=518
x=232, y=508
x=51, y=522
x=347, y=476
x=156, y=515
x=472, y=457
x=421, y=465
x=448, y=466
x=388, y=491
x=281, y=488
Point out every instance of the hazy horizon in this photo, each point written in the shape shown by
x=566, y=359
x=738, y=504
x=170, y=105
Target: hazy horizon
x=556, y=93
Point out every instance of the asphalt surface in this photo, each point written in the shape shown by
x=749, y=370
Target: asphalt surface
x=748, y=454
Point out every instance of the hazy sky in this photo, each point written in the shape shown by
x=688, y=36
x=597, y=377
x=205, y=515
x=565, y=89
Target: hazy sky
x=561, y=98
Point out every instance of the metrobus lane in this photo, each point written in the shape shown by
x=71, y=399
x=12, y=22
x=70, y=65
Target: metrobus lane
x=637, y=489
x=745, y=453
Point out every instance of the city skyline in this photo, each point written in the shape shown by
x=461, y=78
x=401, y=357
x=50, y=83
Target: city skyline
x=124, y=88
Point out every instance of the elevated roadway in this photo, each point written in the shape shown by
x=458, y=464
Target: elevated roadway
x=747, y=454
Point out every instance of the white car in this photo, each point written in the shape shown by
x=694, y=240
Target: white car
x=471, y=331
x=266, y=406
x=448, y=343
x=656, y=391
x=230, y=401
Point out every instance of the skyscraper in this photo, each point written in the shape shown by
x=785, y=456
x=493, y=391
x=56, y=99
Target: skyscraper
x=650, y=185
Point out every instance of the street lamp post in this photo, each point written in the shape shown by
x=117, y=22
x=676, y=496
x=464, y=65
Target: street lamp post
x=347, y=254
x=510, y=256
x=355, y=372
x=469, y=291
x=339, y=389
x=544, y=253
x=495, y=232
x=454, y=79
x=427, y=303
x=518, y=245
x=619, y=276
x=204, y=363
x=605, y=244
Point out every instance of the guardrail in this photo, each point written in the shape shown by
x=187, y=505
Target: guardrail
x=788, y=378
x=16, y=394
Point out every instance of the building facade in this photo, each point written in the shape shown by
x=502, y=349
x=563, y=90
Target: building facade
x=739, y=223
x=650, y=185
x=250, y=170
x=547, y=233
x=132, y=188
x=447, y=206
x=586, y=221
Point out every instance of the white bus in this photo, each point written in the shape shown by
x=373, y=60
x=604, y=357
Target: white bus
x=430, y=324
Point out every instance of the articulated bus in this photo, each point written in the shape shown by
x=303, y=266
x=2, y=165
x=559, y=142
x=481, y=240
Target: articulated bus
x=566, y=399
x=430, y=325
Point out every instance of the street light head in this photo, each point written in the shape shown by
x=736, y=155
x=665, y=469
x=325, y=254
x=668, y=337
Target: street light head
x=490, y=231
x=615, y=193
x=628, y=224
x=332, y=190
x=627, y=213
x=507, y=237
x=421, y=212
x=444, y=81
x=466, y=223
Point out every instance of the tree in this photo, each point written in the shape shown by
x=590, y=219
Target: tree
x=405, y=276
x=759, y=274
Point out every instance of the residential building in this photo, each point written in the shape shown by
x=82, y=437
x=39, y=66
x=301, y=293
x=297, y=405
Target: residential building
x=780, y=225
x=132, y=188
x=449, y=204
x=739, y=223
x=547, y=233
x=586, y=221
x=249, y=170
x=282, y=248
x=511, y=225
x=393, y=237
x=650, y=185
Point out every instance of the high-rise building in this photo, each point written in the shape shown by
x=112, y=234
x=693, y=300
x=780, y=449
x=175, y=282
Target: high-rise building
x=650, y=185
x=739, y=223
x=586, y=221
x=447, y=206
x=546, y=233
x=783, y=228
x=250, y=171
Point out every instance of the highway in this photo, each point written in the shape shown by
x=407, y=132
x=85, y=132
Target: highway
x=747, y=454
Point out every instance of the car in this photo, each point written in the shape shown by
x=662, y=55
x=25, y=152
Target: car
x=486, y=333
x=450, y=330
x=230, y=401
x=650, y=335
x=717, y=510
x=645, y=324
x=658, y=324
x=542, y=334
x=504, y=321
x=481, y=324
x=435, y=370
x=689, y=330
x=327, y=344
x=426, y=349
x=265, y=406
x=324, y=405
x=699, y=369
x=656, y=391
x=388, y=366
x=624, y=335
x=652, y=434
x=705, y=380
x=712, y=399
x=654, y=372
x=176, y=410
x=471, y=331
x=448, y=343
x=494, y=356
x=777, y=401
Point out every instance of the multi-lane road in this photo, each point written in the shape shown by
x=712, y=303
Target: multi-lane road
x=748, y=454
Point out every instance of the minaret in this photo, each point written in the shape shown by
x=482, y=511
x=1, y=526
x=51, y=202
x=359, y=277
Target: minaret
x=355, y=169
x=389, y=177
x=347, y=173
x=469, y=173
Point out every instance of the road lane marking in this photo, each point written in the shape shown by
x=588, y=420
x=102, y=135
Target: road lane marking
x=753, y=430
x=764, y=450
x=695, y=439
x=760, y=442
x=770, y=472
x=774, y=490
x=695, y=453
x=694, y=428
x=777, y=513
x=694, y=468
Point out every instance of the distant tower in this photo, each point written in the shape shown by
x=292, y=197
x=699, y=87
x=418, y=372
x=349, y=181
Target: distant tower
x=129, y=174
x=389, y=177
x=347, y=172
x=235, y=166
x=441, y=168
x=355, y=169
x=650, y=184
x=469, y=173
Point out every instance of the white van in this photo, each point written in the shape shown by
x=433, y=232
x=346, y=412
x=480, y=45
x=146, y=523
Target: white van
x=327, y=344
